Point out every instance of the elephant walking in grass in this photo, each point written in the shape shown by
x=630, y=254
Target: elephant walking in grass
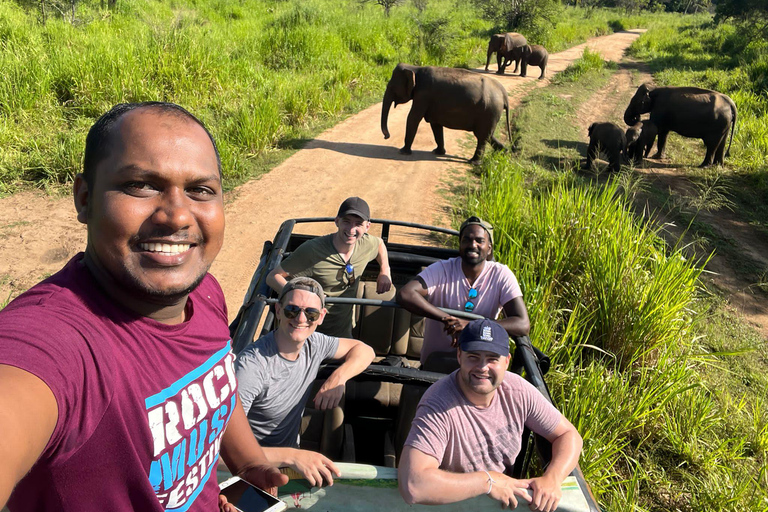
x=640, y=139
x=689, y=111
x=458, y=99
x=608, y=138
x=504, y=45
x=535, y=55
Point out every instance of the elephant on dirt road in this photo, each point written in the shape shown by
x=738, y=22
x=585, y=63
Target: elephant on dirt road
x=503, y=45
x=689, y=111
x=533, y=55
x=458, y=99
x=608, y=138
x=640, y=138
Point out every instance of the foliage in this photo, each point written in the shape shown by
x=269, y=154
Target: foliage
x=386, y=4
x=242, y=68
x=532, y=17
x=589, y=61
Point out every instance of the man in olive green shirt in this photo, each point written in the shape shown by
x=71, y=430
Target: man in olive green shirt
x=337, y=261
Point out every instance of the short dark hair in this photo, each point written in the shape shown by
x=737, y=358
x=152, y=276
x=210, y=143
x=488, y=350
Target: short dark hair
x=97, y=145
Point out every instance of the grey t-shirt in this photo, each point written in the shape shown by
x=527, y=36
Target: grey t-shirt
x=273, y=389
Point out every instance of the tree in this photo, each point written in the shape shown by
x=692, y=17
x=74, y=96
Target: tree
x=386, y=4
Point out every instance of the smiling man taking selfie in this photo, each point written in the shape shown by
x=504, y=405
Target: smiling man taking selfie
x=117, y=378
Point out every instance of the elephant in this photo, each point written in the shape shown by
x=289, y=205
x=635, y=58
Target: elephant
x=503, y=45
x=535, y=55
x=609, y=138
x=689, y=111
x=640, y=139
x=458, y=99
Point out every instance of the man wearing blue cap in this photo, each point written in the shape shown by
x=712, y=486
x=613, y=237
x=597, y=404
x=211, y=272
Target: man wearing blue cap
x=468, y=427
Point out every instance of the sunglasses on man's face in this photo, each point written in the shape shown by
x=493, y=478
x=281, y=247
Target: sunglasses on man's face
x=291, y=311
x=469, y=306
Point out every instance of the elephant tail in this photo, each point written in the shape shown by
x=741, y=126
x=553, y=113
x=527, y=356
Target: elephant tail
x=509, y=131
x=733, y=127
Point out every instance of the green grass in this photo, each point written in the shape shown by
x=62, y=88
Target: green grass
x=264, y=76
x=666, y=385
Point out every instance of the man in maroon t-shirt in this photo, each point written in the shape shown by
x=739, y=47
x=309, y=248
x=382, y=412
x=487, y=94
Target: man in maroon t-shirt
x=117, y=376
x=468, y=427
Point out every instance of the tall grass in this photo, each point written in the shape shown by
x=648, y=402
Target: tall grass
x=262, y=75
x=617, y=311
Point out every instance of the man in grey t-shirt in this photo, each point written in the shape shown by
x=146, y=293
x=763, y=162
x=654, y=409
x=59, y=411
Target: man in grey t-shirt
x=468, y=427
x=276, y=372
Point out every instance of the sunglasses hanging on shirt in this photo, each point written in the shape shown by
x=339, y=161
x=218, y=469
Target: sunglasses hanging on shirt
x=469, y=306
x=348, y=275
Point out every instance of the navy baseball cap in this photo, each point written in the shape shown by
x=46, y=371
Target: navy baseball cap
x=484, y=335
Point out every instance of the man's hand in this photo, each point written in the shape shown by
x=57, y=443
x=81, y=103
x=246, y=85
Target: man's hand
x=383, y=283
x=546, y=493
x=506, y=490
x=330, y=393
x=264, y=476
x=316, y=468
x=453, y=326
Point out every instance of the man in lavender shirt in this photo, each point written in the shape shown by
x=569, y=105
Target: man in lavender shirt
x=471, y=283
x=468, y=428
x=117, y=375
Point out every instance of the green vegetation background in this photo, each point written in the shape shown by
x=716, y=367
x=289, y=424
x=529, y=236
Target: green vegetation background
x=262, y=75
x=647, y=365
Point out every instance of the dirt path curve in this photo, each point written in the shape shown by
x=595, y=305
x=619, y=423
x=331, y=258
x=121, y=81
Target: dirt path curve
x=39, y=234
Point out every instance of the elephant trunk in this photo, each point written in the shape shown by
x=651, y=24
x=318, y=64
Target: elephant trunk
x=388, y=99
x=630, y=117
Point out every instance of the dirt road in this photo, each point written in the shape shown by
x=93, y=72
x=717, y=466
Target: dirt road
x=38, y=234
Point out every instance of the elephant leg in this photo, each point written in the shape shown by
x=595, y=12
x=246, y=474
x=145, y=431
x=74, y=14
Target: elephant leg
x=711, y=144
x=721, y=150
x=517, y=64
x=661, y=145
x=499, y=63
x=592, y=152
x=523, y=67
x=615, y=160
x=437, y=131
x=496, y=143
x=648, y=147
x=411, y=126
x=543, y=69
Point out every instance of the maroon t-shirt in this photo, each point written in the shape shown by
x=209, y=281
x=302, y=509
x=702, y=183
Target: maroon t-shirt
x=142, y=405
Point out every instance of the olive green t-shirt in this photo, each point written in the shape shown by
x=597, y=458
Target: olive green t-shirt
x=319, y=259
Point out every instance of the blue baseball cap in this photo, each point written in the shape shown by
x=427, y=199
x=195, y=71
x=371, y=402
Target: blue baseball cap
x=485, y=335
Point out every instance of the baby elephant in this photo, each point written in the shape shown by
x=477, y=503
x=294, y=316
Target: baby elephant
x=610, y=139
x=640, y=139
x=534, y=55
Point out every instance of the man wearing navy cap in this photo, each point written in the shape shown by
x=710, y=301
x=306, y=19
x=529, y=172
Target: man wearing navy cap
x=337, y=261
x=469, y=425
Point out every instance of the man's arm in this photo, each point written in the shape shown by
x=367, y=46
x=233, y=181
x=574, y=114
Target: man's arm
x=244, y=457
x=28, y=415
x=384, y=281
x=357, y=356
x=413, y=297
x=515, y=319
x=277, y=278
x=566, y=448
x=421, y=480
x=316, y=468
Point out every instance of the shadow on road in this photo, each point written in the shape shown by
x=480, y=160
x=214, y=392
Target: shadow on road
x=377, y=152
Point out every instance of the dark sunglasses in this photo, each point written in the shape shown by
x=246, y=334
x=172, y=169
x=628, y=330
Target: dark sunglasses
x=348, y=276
x=469, y=306
x=291, y=311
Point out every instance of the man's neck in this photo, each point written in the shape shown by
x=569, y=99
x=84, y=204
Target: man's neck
x=481, y=401
x=343, y=248
x=171, y=313
x=287, y=348
x=472, y=272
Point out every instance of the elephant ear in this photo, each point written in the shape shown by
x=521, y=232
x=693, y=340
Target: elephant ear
x=410, y=82
x=506, y=44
